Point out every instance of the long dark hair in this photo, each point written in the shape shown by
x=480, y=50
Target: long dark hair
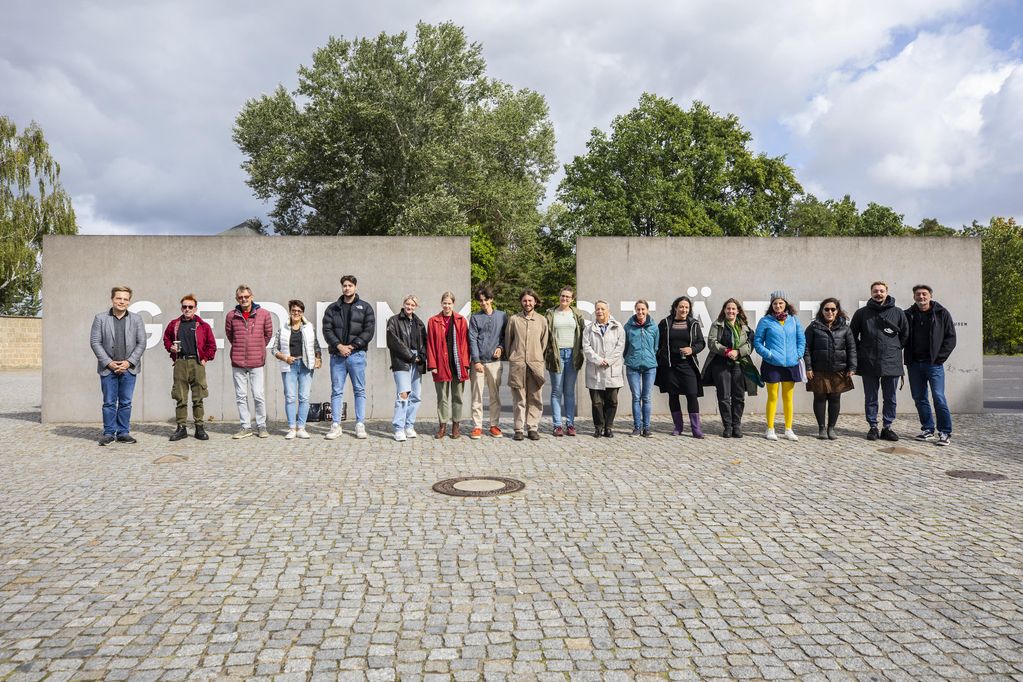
x=740, y=316
x=674, y=306
x=839, y=314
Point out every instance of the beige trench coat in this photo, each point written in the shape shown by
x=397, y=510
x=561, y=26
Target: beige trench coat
x=525, y=341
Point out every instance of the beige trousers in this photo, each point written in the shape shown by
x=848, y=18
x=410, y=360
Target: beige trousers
x=527, y=404
x=491, y=377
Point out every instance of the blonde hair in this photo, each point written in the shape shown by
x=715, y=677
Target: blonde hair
x=447, y=294
x=410, y=297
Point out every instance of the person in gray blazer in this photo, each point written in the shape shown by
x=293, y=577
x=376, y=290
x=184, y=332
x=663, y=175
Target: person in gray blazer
x=118, y=339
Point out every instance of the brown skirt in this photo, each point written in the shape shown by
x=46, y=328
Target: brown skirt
x=829, y=382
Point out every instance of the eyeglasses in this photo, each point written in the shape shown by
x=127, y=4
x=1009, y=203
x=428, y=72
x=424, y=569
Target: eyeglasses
x=187, y=307
x=243, y=298
x=831, y=310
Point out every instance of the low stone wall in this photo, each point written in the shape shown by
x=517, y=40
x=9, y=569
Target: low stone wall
x=21, y=342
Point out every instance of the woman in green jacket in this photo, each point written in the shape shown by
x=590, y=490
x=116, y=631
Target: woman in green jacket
x=730, y=340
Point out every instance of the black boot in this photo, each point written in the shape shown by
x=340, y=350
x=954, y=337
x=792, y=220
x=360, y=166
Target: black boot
x=200, y=432
x=179, y=433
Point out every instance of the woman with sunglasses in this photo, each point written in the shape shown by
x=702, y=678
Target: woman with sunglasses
x=830, y=363
x=294, y=345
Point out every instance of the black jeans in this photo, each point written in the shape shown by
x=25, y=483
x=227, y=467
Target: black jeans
x=605, y=407
x=731, y=387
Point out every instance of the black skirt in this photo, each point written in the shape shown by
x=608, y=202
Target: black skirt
x=681, y=378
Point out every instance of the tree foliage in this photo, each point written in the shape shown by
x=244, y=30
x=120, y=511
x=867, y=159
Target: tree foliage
x=1002, y=264
x=32, y=204
x=386, y=138
x=808, y=216
x=665, y=171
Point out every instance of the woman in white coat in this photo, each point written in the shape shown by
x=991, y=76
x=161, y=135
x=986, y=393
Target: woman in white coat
x=603, y=345
x=294, y=345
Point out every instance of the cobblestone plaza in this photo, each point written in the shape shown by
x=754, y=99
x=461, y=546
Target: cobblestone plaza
x=662, y=558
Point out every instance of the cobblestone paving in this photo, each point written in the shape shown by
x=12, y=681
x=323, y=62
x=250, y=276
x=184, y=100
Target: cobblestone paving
x=666, y=558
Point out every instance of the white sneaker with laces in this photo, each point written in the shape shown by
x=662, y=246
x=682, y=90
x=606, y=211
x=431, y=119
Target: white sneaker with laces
x=410, y=432
x=360, y=430
x=789, y=435
x=302, y=433
x=771, y=435
x=335, y=431
x=399, y=436
x=290, y=435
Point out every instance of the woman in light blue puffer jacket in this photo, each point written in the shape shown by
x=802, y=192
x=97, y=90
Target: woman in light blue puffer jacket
x=780, y=342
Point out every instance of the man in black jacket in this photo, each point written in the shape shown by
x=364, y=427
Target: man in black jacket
x=348, y=327
x=932, y=338
x=881, y=331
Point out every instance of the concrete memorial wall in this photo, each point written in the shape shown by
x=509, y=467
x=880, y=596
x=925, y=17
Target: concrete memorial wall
x=78, y=272
x=710, y=270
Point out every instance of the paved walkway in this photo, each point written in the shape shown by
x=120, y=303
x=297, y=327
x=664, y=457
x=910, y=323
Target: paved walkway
x=621, y=559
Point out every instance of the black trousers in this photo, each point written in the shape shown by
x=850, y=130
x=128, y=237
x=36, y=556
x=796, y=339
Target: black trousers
x=605, y=407
x=731, y=388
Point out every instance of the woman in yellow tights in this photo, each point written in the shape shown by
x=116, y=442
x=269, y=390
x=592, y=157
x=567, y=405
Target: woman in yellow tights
x=780, y=342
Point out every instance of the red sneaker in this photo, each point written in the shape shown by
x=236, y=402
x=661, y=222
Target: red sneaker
x=570, y=431
x=495, y=431
x=476, y=434
x=558, y=431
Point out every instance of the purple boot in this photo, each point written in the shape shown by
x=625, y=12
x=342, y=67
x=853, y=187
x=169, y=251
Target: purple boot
x=694, y=422
x=677, y=418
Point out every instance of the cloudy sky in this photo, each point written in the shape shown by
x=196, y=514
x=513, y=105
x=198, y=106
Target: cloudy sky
x=911, y=103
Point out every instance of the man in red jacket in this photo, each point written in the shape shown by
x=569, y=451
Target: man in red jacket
x=249, y=329
x=189, y=340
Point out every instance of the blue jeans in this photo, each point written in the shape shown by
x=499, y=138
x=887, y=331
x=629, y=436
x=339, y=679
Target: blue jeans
x=298, y=381
x=922, y=375
x=641, y=384
x=888, y=386
x=406, y=409
x=353, y=366
x=117, y=392
x=563, y=386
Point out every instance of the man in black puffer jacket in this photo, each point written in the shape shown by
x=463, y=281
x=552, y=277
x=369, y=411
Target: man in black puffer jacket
x=932, y=338
x=881, y=332
x=348, y=327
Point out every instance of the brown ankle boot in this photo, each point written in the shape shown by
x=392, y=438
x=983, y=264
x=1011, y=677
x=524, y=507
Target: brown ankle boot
x=456, y=431
x=441, y=429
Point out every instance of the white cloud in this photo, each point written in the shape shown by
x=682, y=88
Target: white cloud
x=910, y=131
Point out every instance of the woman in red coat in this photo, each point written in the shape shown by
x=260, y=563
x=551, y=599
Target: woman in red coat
x=447, y=357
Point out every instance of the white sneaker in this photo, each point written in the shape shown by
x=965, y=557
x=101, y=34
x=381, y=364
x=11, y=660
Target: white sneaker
x=410, y=432
x=290, y=435
x=302, y=433
x=399, y=435
x=771, y=435
x=335, y=431
x=360, y=430
x=789, y=435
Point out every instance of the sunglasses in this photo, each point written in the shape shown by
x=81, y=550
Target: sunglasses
x=187, y=307
x=831, y=310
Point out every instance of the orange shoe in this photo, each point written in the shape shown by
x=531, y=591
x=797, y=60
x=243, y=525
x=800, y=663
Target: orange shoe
x=495, y=431
x=476, y=434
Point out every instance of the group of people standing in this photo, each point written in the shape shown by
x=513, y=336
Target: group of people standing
x=876, y=343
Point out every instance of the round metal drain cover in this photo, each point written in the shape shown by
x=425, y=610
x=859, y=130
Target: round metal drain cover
x=478, y=486
x=975, y=475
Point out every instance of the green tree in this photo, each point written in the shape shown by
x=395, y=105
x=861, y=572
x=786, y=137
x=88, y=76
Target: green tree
x=665, y=171
x=386, y=138
x=32, y=204
x=808, y=216
x=1002, y=265
x=880, y=221
x=930, y=227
